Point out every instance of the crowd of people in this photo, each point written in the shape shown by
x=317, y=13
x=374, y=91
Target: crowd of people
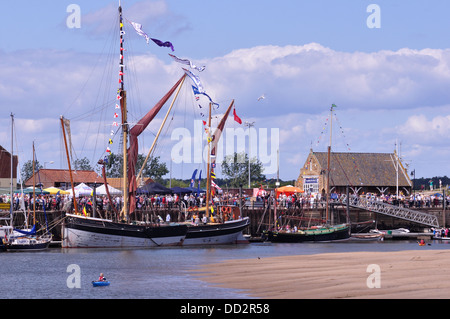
x=188, y=201
x=314, y=201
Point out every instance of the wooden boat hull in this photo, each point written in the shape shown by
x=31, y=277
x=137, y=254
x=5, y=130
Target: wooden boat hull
x=84, y=232
x=216, y=234
x=325, y=234
x=367, y=237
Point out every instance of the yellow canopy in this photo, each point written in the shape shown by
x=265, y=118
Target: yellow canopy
x=53, y=191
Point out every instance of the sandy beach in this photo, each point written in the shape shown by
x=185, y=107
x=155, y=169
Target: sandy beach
x=412, y=274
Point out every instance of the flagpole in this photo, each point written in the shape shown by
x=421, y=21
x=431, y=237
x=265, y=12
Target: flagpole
x=208, y=167
x=123, y=107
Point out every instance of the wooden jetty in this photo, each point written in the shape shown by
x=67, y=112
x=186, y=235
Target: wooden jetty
x=262, y=218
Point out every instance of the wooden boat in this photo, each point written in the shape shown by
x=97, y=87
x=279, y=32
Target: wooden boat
x=367, y=237
x=100, y=283
x=317, y=234
x=82, y=231
x=320, y=233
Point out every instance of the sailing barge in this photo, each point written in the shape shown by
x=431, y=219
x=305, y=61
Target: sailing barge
x=86, y=232
x=82, y=231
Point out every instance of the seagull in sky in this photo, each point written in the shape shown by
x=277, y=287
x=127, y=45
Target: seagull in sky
x=262, y=97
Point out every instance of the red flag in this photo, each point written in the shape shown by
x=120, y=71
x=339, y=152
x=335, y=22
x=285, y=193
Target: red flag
x=236, y=118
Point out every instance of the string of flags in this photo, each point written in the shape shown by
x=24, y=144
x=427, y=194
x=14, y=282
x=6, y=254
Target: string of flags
x=197, y=86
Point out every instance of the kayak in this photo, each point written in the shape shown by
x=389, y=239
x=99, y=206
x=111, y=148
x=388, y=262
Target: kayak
x=100, y=283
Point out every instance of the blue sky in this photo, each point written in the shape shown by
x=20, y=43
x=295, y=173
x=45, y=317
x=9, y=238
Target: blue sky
x=390, y=83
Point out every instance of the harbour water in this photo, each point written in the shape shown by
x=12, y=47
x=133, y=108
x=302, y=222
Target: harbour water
x=162, y=273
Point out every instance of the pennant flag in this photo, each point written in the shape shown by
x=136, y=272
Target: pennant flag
x=116, y=115
x=215, y=186
x=188, y=62
x=198, y=84
x=138, y=28
x=110, y=141
x=199, y=181
x=197, y=92
x=236, y=118
x=163, y=44
x=84, y=211
x=193, y=178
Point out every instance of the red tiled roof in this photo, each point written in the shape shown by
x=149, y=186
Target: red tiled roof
x=50, y=177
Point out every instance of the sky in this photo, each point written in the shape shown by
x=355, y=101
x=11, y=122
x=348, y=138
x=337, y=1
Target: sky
x=384, y=64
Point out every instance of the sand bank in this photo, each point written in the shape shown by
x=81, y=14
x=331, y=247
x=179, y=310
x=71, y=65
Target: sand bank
x=414, y=274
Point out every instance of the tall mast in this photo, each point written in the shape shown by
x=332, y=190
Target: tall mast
x=123, y=107
x=328, y=164
x=34, y=189
x=12, y=164
x=75, y=206
x=208, y=167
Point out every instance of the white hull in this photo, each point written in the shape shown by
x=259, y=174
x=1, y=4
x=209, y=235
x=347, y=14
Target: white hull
x=219, y=234
x=74, y=238
x=235, y=238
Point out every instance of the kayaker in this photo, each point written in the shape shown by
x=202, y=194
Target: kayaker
x=101, y=278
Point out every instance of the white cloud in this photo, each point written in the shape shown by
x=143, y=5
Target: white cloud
x=381, y=96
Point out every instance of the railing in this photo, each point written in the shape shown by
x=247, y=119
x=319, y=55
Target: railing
x=391, y=210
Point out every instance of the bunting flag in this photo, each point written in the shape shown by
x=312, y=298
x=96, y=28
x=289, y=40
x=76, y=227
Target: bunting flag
x=163, y=44
x=197, y=92
x=213, y=175
x=138, y=28
x=236, y=118
x=196, y=80
x=215, y=185
x=188, y=62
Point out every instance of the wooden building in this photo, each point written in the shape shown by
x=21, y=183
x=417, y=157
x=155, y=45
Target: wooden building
x=5, y=170
x=380, y=173
x=60, y=178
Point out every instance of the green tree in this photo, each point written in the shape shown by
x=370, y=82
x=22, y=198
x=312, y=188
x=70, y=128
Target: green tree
x=82, y=164
x=27, y=169
x=153, y=168
x=235, y=168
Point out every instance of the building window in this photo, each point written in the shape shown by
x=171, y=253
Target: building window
x=311, y=184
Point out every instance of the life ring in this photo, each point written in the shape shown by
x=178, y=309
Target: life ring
x=226, y=209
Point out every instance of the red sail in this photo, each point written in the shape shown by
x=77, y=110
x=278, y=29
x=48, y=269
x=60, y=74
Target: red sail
x=133, y=150
x=218, y=132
